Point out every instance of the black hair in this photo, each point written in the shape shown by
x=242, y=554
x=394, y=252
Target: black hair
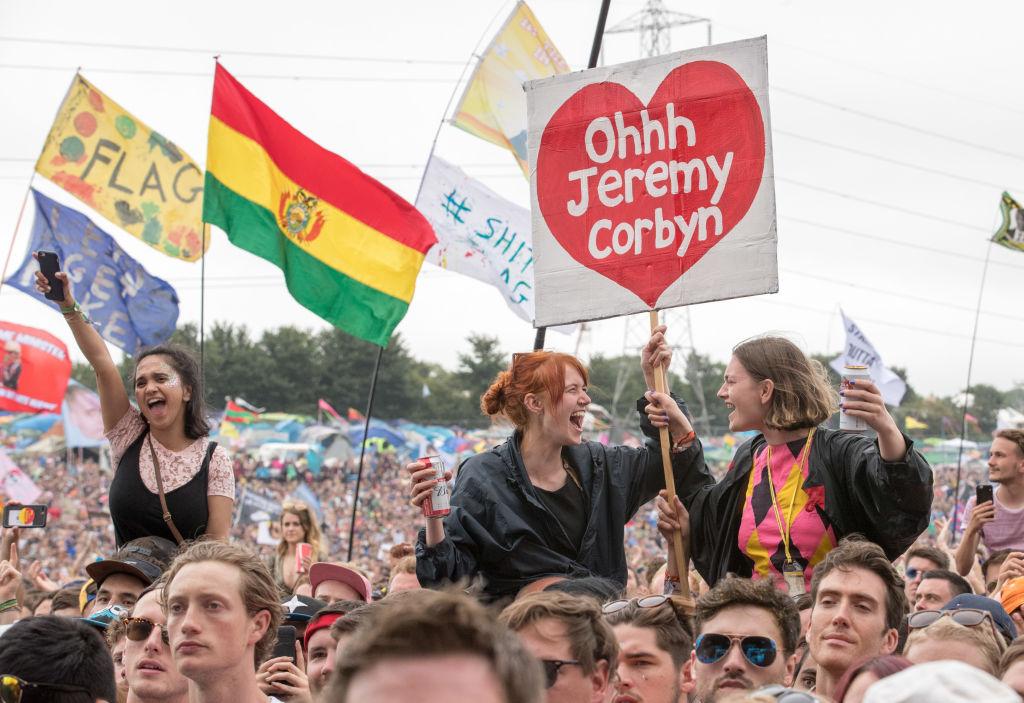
x=601, y=589
x=185, y=364
x=957, y=583
x=55, y=650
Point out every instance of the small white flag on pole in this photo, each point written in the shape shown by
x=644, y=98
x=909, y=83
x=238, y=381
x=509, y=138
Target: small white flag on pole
x=860, y=351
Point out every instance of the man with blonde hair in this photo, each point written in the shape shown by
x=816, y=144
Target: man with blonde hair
x=948, y=639
x=572, y=640
x=222, y=617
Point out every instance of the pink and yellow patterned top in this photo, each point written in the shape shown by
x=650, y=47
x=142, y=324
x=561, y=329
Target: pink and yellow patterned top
x=176, y=468
x=811, y=538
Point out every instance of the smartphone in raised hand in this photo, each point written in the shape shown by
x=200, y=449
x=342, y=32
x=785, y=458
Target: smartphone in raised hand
x=17, y=515
x=49, y=265
x=983, y=493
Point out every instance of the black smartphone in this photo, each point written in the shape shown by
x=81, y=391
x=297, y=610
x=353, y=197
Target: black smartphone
x=17, y=515
x=285, y=645
x=983, y=493
x=49, y=265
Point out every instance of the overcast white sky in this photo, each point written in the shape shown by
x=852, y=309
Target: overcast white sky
x=896, y=126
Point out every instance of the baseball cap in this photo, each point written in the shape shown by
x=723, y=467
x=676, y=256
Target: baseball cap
x=946, y=681
x=145, y=558
x=1012, y=595
x=300, y=608
x=103, y=618
x=1004, y=623
x=323, y=571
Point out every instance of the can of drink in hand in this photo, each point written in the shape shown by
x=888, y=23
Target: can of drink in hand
x=849, y=423
x=303, y=551
x=436, y=504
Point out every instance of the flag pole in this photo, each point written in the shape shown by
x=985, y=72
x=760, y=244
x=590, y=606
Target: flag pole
x=202, y=301
x=967, y=390
x=451, y=98
x=21, y=212
x=595, y=53
x=362, y=453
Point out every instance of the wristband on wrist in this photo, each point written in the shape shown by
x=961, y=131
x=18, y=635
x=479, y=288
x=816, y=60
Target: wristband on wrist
x=11, y=604
x=684, y=443
x=69, y=312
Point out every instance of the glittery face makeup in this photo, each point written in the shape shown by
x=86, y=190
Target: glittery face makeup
x=159, y=390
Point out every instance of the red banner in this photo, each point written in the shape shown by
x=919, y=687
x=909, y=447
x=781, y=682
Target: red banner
x=34, y=369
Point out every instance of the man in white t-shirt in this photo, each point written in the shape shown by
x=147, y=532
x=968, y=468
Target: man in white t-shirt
x=999, y=524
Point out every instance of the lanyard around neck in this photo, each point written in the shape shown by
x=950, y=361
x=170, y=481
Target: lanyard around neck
x=786, y=528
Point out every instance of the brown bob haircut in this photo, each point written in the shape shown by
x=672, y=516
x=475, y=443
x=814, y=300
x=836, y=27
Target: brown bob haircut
x=802, y=396
x=540, y=372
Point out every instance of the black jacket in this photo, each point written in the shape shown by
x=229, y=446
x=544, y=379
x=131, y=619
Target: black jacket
x=500, y=529
x=887, y=502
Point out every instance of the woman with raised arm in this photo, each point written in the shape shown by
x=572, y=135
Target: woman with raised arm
x=795, y=489
x=546, y=505
x=170, y=480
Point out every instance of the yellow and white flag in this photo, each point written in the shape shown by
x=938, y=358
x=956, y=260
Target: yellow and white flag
x=128, y=173
x=494, y=104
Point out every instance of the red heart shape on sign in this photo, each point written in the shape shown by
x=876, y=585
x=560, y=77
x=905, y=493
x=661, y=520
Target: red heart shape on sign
x=681, y=171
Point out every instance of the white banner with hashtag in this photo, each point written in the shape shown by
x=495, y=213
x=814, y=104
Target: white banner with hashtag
x=479, y=233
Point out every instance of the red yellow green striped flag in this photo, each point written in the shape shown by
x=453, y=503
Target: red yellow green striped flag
x=349, y=247
x=233, y=412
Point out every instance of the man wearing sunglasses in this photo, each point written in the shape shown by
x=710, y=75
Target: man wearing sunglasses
x=571, y=638
x=859, y=603
x=57, y=660
x=918, y=561
x=747, y=632
x=655, y=641
x=149, y=666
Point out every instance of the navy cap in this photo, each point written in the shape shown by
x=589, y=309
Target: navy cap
x=1004, y=623
x=300, y=608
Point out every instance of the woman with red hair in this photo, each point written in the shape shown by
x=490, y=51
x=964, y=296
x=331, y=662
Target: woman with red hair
x=546, y=505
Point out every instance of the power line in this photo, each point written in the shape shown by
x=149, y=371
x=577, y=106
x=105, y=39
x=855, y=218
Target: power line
x=887, y=159
x=212, y=52
x=898, y=294
x=919, y=248
x=896, y=123
x=209, y=74
x=878, y=203
x=887, y=323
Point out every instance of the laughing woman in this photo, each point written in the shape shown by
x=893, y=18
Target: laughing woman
x=546, y=505
x=795, y=489
x=161, y=449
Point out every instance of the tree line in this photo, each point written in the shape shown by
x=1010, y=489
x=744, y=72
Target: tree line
x=287, y=369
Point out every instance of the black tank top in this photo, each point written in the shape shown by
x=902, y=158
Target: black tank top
x=135, y=510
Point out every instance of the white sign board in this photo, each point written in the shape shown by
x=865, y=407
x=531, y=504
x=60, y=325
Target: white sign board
x=652, y=184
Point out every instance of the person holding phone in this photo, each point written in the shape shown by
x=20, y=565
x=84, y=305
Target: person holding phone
x=995, y=518
x=796, y=488
x=161, y=447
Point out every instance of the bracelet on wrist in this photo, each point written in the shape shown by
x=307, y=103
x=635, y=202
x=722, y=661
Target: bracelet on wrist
x=11, y=604
x=684, y=443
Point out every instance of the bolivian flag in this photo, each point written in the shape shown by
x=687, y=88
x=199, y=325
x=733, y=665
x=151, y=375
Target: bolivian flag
x=349, y=247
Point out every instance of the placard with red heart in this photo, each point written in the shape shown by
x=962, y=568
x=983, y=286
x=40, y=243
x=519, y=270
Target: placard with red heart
x=638, y=191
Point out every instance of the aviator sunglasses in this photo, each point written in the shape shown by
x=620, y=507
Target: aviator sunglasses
x=139, y=629
x=759, y=651
x=552, y=667
x=968, y=617
x=12, y=688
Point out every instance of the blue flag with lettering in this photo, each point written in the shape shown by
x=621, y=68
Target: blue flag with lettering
x=129, y=307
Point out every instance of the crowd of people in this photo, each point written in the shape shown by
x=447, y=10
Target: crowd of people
x=821, y=565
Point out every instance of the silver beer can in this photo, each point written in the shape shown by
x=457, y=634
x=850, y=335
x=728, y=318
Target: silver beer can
x=853, y=372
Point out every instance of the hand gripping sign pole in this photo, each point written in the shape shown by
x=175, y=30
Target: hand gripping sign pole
x=660, y=385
